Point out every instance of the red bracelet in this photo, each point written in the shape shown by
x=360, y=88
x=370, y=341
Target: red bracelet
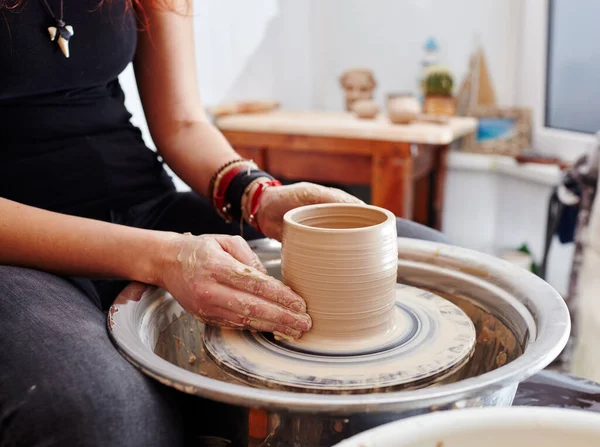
x=255, y=201
x=219, y=197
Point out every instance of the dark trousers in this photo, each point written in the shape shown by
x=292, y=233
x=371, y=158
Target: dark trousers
x=62, y=383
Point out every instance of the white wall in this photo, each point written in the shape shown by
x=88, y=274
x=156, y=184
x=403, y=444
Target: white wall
x=493, y=205
x=294, y=51
x=388, y=35
x=247, y=50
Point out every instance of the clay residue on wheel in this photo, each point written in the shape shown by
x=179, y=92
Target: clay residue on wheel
x=181, y=340
x=496, y=344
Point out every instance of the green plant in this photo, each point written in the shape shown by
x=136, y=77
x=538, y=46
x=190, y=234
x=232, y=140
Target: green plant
x=438, y=81
x=525, y=249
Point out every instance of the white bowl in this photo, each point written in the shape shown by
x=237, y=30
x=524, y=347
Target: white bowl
x=489, y=427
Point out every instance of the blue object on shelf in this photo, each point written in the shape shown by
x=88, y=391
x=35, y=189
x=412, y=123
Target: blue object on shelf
x=495, y=128
x=431, y=45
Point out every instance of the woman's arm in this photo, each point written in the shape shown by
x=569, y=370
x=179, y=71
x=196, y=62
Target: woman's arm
x=62, y=244
x=165, y=70
x=218, y=279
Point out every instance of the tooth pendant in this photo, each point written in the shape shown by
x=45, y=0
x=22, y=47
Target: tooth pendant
x=61, y=34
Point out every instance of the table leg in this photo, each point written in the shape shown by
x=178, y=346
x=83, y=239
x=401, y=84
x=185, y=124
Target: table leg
x=392, y=184
x=422, y=203
x=441, y=167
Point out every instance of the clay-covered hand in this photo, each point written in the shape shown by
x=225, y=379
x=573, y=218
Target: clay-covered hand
x=277, y=201
x=220, y=280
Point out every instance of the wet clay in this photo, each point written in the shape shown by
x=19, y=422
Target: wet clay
x=342, y=259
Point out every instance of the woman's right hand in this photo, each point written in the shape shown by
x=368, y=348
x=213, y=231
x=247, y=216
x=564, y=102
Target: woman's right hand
x=220, y=280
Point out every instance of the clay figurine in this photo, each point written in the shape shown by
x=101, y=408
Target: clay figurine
x=358, y=83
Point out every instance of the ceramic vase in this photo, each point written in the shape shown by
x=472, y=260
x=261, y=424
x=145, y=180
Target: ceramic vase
x=342, y=259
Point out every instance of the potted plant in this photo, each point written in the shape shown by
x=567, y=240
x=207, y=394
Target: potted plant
x=437, y=89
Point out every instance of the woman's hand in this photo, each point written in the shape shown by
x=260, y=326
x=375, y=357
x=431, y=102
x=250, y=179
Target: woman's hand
x=275, y=202
x=220, y=280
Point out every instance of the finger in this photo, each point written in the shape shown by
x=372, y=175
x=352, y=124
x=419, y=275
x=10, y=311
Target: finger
x=251, y=306
x=228, y=318
x=232, y=273
x=237, y=247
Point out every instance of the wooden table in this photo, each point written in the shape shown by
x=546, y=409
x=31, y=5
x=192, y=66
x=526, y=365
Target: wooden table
x=405, y=165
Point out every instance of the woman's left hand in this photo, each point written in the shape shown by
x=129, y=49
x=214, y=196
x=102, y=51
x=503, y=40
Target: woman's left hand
x=276, y=201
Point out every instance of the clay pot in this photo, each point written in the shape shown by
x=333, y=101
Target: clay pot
x=365, y=108
x=342, y=259
x=439, y=105
x=402, y=108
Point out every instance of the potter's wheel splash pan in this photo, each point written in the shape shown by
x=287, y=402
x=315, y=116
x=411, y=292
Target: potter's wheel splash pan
x=533, y=311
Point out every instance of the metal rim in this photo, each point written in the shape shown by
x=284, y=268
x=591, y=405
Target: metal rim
x=546, y=306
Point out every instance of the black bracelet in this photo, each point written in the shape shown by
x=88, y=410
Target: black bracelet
x=235, y=191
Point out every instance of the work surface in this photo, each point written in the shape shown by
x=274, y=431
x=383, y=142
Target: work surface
x=346, y=125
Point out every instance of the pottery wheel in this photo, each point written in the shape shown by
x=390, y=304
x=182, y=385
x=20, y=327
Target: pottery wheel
x=434, y=339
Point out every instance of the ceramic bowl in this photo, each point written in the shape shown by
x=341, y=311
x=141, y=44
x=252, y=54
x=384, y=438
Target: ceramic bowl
x=402, y=108
x=365, y=108
x=489, y=427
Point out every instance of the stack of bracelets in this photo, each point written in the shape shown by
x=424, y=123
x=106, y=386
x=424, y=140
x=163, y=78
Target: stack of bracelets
x=230, y=188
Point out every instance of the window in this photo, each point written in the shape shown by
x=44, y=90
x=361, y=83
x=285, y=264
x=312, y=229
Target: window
x=558, y=68
x=573, y=66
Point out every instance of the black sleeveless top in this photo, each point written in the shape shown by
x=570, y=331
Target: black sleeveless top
x=66, y=142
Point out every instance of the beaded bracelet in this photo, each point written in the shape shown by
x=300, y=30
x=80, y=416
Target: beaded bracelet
x=219, y=172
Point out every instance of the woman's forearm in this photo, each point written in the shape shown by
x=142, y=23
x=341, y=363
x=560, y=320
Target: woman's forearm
x=195, y=151
x=165, y=70
x=35, y=238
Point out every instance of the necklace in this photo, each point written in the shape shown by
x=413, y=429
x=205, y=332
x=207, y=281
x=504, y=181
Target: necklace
x=61, y=33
